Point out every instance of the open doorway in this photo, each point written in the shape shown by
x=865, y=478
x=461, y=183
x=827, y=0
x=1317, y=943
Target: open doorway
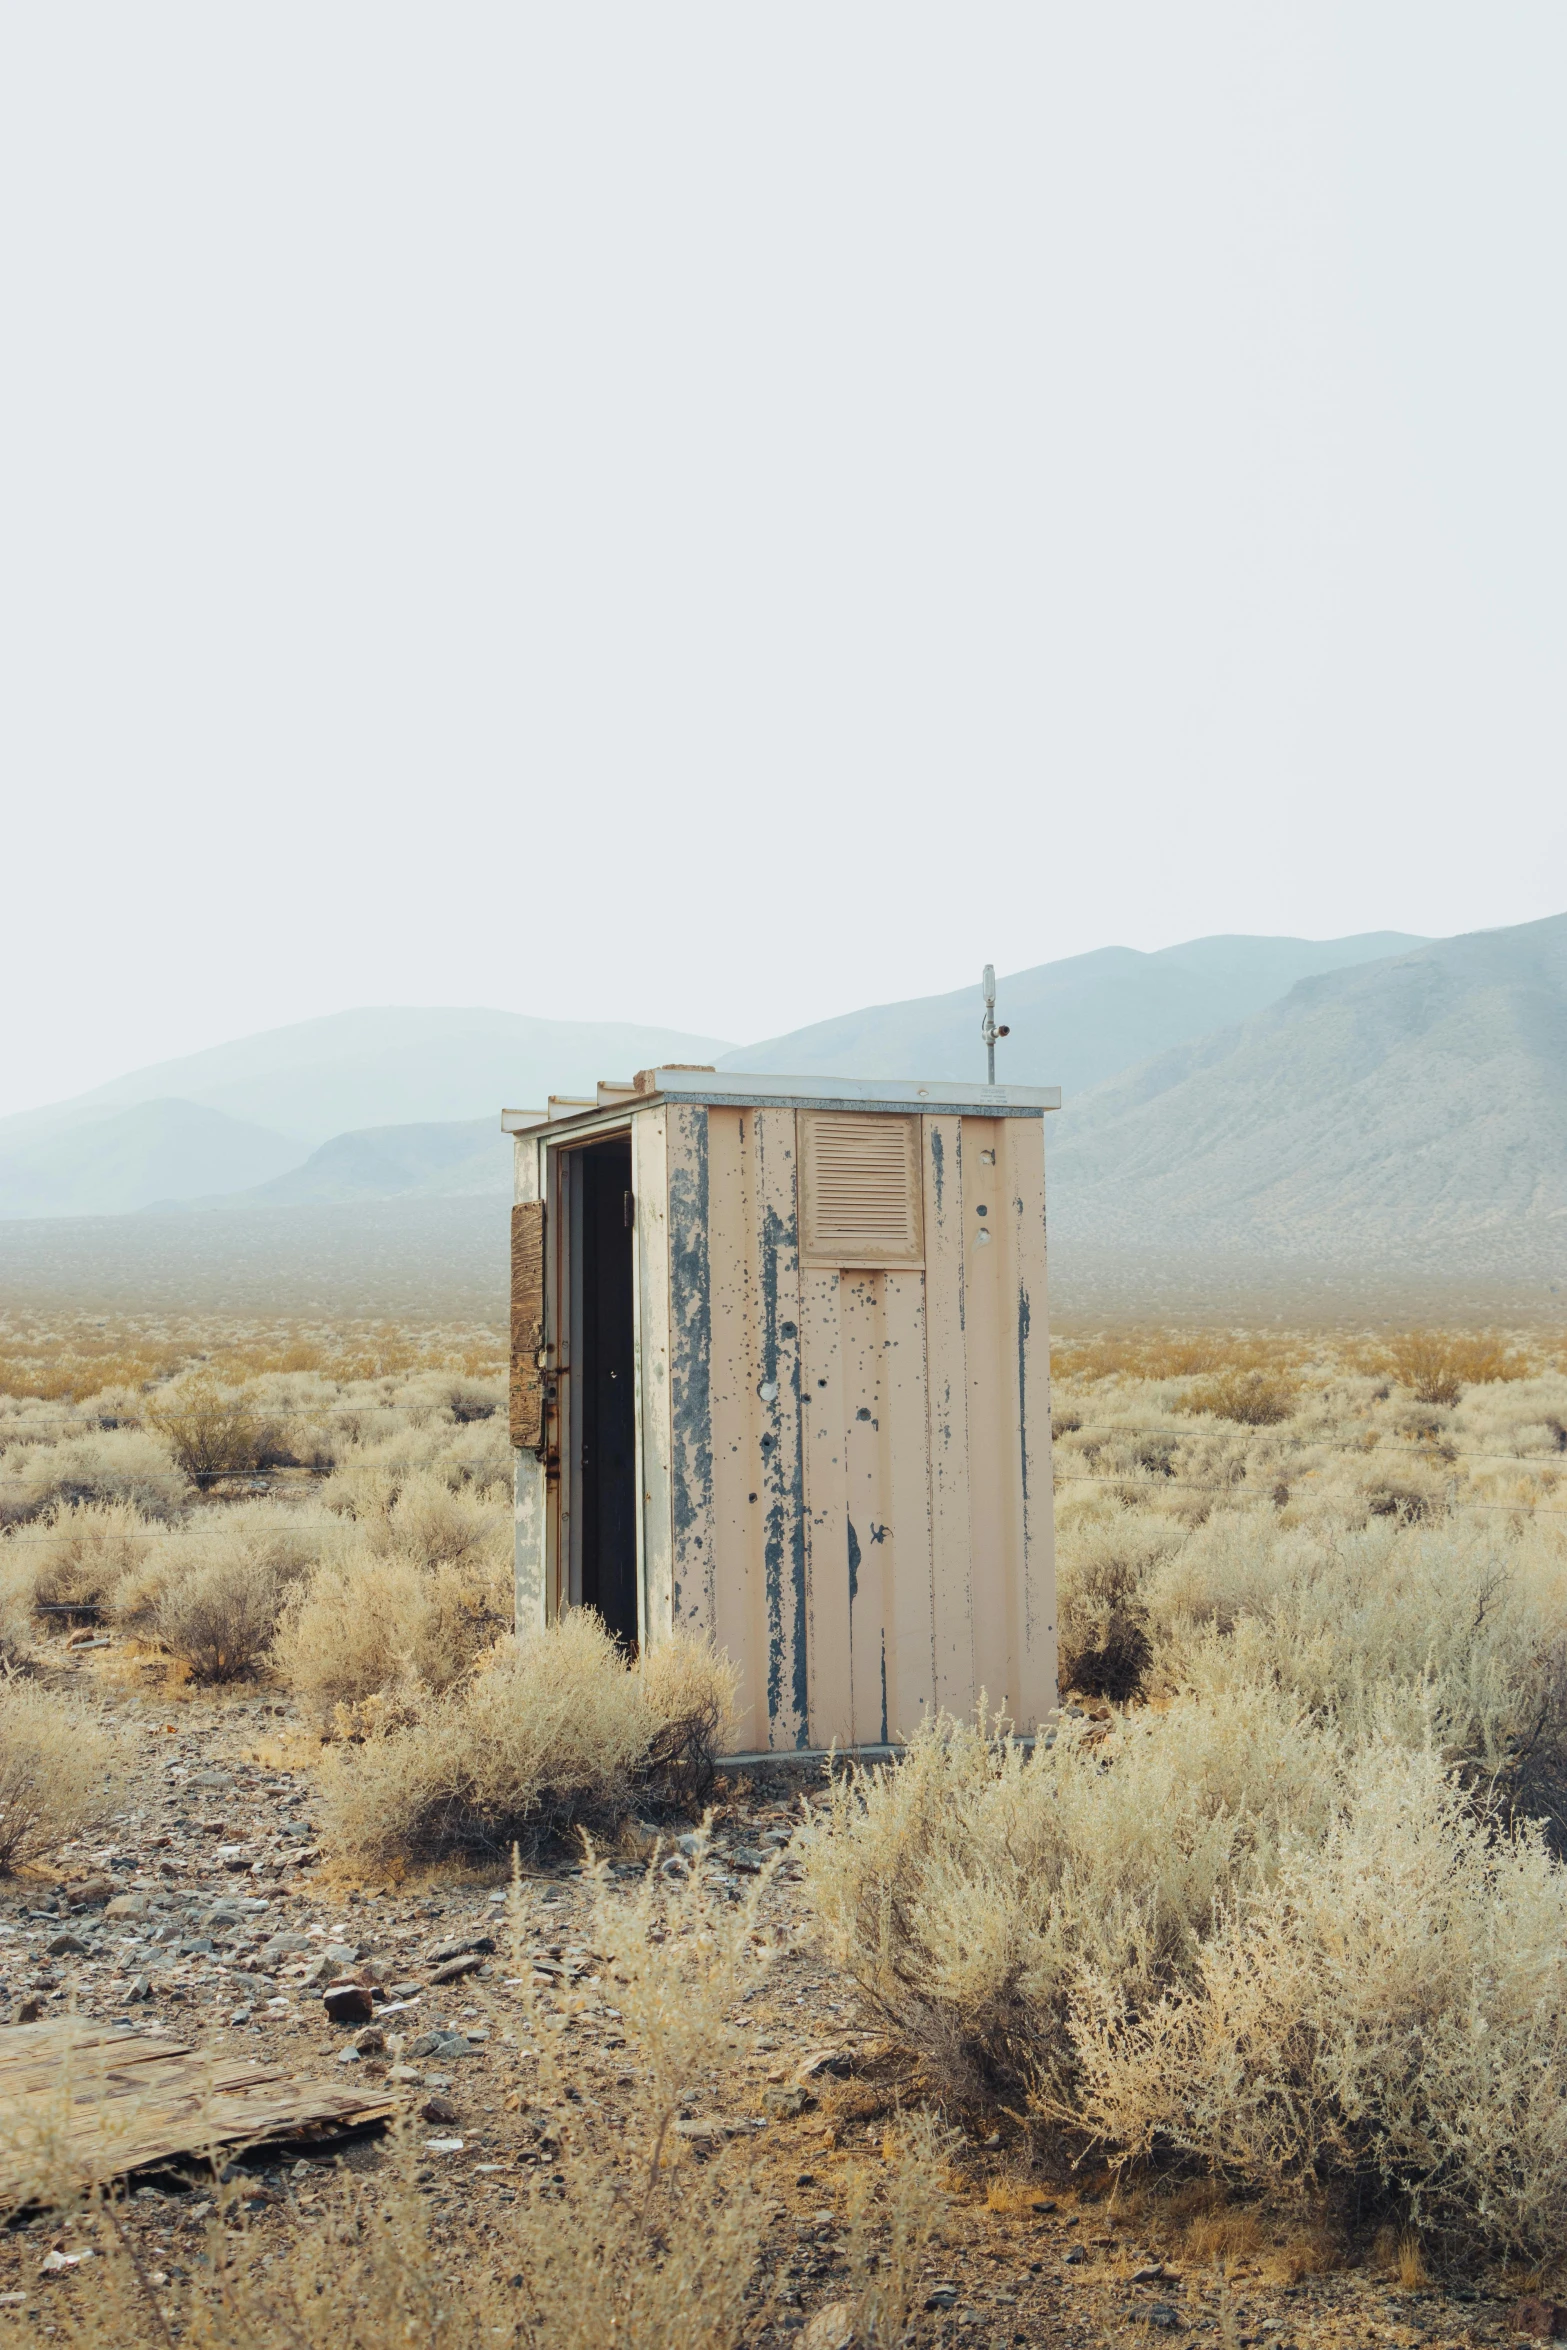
x=604, y=1463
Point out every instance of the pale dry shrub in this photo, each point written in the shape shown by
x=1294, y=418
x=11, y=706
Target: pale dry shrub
x=443, y=1525
x=1103, y=1563
x=479, y=1454
x=552, y=1733
x=415, y=1593
x=459, y=1397
x=127, y=1465
x=214, y=1430
x=82, y=1553
x=1389, y=2006
x=1503, y=1410
x=372, y=1470
x=370, y=1620
x=212, y=1594
x=1437, y=1365
x=1256, y=1398
x=966, y=1887
x=688, y=1689
x=116, y=1406
x=58, y=1767
x=1454, y=1636
x=17, y=1622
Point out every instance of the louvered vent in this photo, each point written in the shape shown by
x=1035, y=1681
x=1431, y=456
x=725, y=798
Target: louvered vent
x=860, y=1189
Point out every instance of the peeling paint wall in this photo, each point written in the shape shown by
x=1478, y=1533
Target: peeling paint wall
x=848, y=1479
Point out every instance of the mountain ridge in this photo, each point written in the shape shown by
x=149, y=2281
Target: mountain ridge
x=1075, y=1021
x=1393, y=1106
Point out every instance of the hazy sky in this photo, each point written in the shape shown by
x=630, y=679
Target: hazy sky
x=722, y=513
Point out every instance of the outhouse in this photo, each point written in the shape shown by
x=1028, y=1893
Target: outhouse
x=781, y=1375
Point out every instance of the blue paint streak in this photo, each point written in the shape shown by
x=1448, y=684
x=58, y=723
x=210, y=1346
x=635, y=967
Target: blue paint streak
x=691, y=1339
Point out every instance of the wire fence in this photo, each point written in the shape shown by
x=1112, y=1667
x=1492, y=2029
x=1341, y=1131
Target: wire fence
x=1517, y=1460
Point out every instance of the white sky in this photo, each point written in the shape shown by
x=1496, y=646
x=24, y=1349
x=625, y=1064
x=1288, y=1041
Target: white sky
x=719, y=513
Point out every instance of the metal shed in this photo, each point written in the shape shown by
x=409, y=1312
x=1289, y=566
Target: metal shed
x=781, y=1375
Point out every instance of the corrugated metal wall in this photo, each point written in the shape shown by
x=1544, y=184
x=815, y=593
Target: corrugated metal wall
x=846, y=1473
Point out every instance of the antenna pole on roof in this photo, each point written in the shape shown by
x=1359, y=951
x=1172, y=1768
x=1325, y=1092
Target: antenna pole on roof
x=987, y=1027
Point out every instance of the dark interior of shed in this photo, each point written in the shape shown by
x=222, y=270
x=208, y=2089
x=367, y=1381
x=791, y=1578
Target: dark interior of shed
x=606, y=1387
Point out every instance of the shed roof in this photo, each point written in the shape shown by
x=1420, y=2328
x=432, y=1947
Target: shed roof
x=736, y=1089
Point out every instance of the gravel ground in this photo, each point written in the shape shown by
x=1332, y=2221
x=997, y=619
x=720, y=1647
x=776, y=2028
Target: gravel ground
x=211, y=1915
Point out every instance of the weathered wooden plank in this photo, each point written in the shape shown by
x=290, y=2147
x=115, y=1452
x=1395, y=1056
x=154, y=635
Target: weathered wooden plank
x=908, y=1610
x=650, y=1244
x=527, y=1324
x=1022, y=1157
x=780, y=1466
x=731, y=1601
x=827, y=1509
x=859, y=1314
x=951, y=1558
x=689, y=1412
x=100, y=2102
x=990, y=1360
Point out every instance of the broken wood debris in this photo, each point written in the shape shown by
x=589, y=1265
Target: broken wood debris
x=92, y=2101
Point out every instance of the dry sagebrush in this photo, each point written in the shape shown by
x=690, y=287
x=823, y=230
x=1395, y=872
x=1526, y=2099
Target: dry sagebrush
x=58, y=1767
x=1221, y=1932
x=548, y=1734
x=1390, y=2007
x=82, y=1552
x=967, y=1888
x=416, y=1591
x=125, y=1465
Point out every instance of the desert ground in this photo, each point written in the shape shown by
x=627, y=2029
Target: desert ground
x=1235, y=2008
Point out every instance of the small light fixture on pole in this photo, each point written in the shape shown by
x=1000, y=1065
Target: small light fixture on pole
x=987, y=1027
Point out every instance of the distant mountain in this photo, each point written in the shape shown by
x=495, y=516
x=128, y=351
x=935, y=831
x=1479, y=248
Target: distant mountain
x=380, y=1067
x=158, y=1150
x=1417, y=1104
x=469, y=1159
x=1074, y=1022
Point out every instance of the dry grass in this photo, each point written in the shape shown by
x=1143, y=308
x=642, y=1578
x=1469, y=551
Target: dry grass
x=83, y=1552
x=553, y=1734
x=57, y=1771
x=628, y=2237
x=68, y=1357
x=124, y=1465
